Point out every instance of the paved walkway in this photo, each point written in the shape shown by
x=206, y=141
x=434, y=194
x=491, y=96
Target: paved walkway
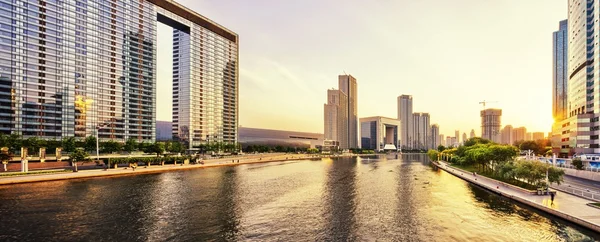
x=249, y=159
x=565, y=205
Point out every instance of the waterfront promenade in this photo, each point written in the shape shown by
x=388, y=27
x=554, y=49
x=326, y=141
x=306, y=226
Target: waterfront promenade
x=121, y=171
x=566, y=206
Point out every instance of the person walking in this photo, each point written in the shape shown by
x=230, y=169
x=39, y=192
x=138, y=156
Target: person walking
x=552, y=194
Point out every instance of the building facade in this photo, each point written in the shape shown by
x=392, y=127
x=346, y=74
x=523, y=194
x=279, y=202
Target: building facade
x=421, y=131
x=519, y=134
x=69, y=68
x=380, y=133
x=348, y=85
x=285, y=138
x=472, y=133
x=490, y=124
x=457, y=136
x=435, y=136
x=405, y=115
x=336, y=117
x=507, y=135
x=559, y=71
x=538, y=136
x=464, y=138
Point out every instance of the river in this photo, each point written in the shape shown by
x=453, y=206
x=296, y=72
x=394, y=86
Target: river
x=399, y=198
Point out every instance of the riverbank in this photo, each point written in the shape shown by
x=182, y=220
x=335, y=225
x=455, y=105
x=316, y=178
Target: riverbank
x=242, y=160
x=566, y=206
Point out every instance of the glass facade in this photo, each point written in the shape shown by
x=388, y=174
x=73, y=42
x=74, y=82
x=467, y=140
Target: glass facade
x=69, y=66
x=559, y=72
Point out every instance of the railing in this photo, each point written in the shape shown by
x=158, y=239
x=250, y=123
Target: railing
x=580, y=192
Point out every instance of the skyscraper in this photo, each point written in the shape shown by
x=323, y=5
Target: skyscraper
x=74, y=67
x=336, y=117
x=559, y=71
x=421, y=133
x=442, y=140
x=405, y=115
x=472, y=134
x=435, y=136
x=464, y=138
x=347, y=85
x=457, y=136
x=490, y=124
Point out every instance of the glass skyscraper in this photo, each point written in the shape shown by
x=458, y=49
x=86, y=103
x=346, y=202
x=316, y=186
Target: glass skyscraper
x=68, y=67
x=559, y=72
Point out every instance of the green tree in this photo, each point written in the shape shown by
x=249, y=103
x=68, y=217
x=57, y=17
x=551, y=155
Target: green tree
x=441, y=148
x=131, y=145
x=111, y=146
x=89, y=144
x=69, y=144
x=33, y=144
x=157, y=148
x=177, y=147
x=433, y=155
x=476, y=140
x=577, y=163
x=77, y=156
x=555, y=175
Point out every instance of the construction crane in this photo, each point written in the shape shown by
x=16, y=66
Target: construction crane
x=484, y=102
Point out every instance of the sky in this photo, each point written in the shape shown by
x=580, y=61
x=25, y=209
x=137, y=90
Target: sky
x=449, y=55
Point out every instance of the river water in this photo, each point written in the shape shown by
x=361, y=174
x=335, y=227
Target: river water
x=393, y=198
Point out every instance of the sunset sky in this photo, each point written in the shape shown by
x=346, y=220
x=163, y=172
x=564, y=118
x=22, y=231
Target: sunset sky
x=449, y=55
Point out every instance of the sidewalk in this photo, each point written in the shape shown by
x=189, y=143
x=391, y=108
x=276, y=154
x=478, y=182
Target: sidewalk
x=567, y=206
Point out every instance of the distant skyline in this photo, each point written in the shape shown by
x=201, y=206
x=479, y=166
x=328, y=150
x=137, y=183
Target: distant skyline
x=449, y=55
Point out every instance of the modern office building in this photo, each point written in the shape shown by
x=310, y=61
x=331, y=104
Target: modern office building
x=341, y=113
x=164, y=130
x=68, y=67
x=519, y=134
x=451, y=142
x=464, y=138
x=405, y=115
x=348, y=85
x=336, y=117
x=435, y=136
x=507, y=135
x=421, y=132
x=578, y=132
x=442, y=140
x=490, y=124
x=559, y=71
x=472, y=133
x=379, y=133
x=528, y=136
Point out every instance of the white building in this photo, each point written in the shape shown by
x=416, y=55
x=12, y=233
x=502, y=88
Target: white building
x=379, y=133
x=405, y=115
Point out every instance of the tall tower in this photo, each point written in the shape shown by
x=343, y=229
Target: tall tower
x=559, y=71
x=405, y=111
x=347, y=85
x=336, y=117
x=472, y=134
x=490, y=124
x=435, y=136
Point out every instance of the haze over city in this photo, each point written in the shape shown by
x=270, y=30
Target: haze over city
x=449, y=58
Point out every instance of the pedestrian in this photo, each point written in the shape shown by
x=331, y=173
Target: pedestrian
x=552, y=197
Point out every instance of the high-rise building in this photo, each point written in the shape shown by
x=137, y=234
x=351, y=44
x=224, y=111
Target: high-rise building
x=422, y=134
x=435, y=136
x=559, y=71
x=379, y=133
x=528, y=136
x=537, y=136
x=472, y=133
x=457, y=136
x=507, y=135
x=490, y=124
x=451, y=142
x=578, y=131
x=74, y=67
x=348, y=85
x=442, y=140
x=405, y=115
x=336, y=118
x=519, y=134
x=464, y=138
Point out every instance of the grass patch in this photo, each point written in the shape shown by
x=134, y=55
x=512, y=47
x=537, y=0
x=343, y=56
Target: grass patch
x=513, y=182
x=33, y=173
x=596, y=204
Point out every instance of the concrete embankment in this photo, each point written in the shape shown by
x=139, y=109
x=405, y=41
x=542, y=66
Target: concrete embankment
x=566, y=206
x=157, y=168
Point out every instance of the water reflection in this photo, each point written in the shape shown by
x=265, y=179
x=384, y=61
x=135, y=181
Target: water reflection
x=347, y=199
x=339, y=201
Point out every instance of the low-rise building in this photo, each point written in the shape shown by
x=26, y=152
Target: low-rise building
x=379, y=133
